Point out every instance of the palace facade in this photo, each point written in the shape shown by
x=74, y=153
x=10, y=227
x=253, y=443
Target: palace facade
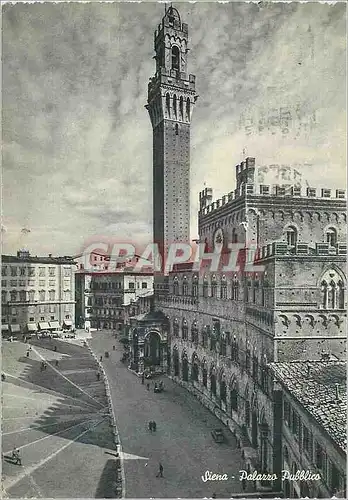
x=284, y=301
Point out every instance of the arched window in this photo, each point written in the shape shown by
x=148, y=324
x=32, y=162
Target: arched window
x=205, y=287
x=168, y=105
x=223, y=392
x=223, y=288
x=234, y=236
x=214, y=287
x=235, y=288
x=204, y=337
x=223, y=345
x=324, y=290
x=175, y=58
x=195, y=368
x=175, y=328
x=332, y=290
x=188, y=111
x=184, y=368
x=234, y=350
x=181, y=108
x=185, y=286
x=184, y=330
x=194, y=332
x=340, y=295
x=331, y=237
x=175, y=286
x=175, y=107
x=291, y=236
x=195, y=286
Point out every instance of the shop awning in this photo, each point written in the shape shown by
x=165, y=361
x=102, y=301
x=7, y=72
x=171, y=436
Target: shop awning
x=67, y=322
x=54, y=325
x=15, y=328
x=31, y=327
x=4, y=328
x=44, y=326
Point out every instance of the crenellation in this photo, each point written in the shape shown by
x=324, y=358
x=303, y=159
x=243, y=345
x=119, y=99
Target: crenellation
x=273, y=190
x=280, y=248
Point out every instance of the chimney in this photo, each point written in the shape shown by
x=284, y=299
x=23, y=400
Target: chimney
x=50, y=255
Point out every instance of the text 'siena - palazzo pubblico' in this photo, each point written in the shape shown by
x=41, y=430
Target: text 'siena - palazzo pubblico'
x=264, y=345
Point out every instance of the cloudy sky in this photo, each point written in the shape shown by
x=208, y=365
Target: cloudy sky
x=77, y=140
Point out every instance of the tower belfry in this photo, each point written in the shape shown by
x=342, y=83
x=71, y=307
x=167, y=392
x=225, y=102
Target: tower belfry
x=171, y=97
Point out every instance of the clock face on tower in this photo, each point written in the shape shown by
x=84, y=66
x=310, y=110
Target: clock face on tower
x=218, y=239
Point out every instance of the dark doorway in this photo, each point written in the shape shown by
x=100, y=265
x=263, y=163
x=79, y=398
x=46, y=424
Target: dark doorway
x=176, y=363
x=185, y=370
x=152, y=349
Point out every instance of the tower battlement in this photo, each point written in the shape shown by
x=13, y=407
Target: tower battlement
x=246, y=186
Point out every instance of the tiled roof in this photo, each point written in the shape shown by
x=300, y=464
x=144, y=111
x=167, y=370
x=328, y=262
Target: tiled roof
x=314, y=384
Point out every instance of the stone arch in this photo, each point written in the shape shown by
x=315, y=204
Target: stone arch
x=176, y=327
x=175, y=58
x=168, y=104
x=222, y=386
x=175, y=110
x=181, y=108
x=188, y=109
x=204, y=365
x=195, y=367
x=176, y=362
x=212, y=376
x=194, y=332
x=185, y=367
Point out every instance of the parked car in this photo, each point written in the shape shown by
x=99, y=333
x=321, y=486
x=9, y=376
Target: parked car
x=44, y=334
x=218, y=436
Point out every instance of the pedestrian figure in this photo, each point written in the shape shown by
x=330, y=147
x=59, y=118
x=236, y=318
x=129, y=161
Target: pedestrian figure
x=57, y=362
x=213, y=495
x=150, y=426
x=55, y=348
x=98, y=376
x=155, y=387
x=42, y=367
x=3, y=377
x=148, y=386
x=160, y=471
x=154, y=426
x=101, y=358
x=113, y=348
x=28, y=354
x=45, y=366
x=16, y=457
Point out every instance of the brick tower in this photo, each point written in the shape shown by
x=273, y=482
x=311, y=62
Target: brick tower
x=171, y=97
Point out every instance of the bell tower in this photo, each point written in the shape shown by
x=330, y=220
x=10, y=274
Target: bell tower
x=171, y=97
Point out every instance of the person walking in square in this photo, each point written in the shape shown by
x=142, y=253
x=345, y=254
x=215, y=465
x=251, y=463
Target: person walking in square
x=154, y=426
x=160, y=470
